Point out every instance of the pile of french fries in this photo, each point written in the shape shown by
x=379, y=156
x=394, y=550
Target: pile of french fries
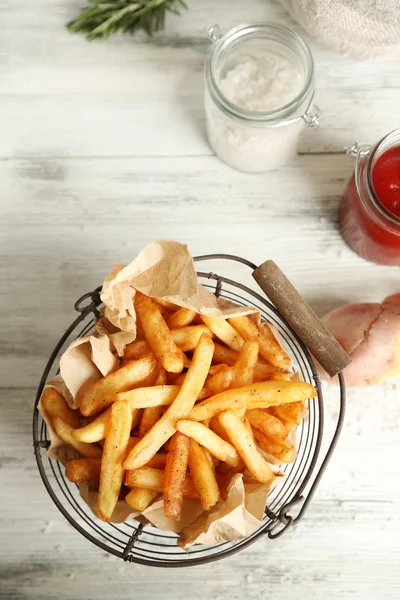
x=194, y=401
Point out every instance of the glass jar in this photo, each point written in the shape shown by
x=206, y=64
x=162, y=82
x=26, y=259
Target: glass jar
x=259, y=88
x=366, y=224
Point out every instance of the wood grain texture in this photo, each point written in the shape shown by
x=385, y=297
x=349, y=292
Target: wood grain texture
x=102, y=150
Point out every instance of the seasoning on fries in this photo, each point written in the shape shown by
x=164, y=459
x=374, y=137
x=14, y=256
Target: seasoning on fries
x=194, y=401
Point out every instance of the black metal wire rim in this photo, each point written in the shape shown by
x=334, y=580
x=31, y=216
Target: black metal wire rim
x=139, y=554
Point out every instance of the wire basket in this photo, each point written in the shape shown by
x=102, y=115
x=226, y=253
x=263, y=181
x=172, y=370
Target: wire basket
x=144, y=544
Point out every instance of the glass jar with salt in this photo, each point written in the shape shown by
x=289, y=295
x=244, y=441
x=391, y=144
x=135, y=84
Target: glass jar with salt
x=259, y=91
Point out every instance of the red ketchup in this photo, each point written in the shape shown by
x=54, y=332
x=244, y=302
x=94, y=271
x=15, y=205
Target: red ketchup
x=369, y=216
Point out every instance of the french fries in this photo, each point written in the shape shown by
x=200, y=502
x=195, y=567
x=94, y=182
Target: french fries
x=270, y=349
x=182, y=425
x=140, y=498
x=165, y=427
x=64, y=431
x=149, y=418
x=257, y=395
x=114, y=451
x=83, y=469
x=203, y=476
x=153, y=479
x=136, y=350
x=221, y=381
x=187, y=338
x=265, y=422
x=225, y=332
x=280, y=376
x=175, y=475
x=282, y=450
x=158, y=335
x=146, y=397
x=103, y=392
x=94, y=431
x=225, y=355
x=181, y=318
x=246, y=447
x=244, y=366
x=158, y=461
x=55, y=406
x=151, y=414
x=217, y=446
x=292, y=412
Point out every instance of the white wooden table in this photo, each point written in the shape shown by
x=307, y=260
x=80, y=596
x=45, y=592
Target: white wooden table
x=102, y=150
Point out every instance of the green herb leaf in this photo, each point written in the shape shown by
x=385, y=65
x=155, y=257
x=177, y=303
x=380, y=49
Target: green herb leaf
x=100, y=18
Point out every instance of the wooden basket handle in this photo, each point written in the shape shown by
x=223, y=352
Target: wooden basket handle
x=301, y=318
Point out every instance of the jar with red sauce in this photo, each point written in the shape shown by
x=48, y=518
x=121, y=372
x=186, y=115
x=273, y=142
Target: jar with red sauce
x=369, y=216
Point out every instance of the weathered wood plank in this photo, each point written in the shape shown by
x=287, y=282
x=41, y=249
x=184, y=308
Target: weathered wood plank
x=347, y=544
x=137, y=96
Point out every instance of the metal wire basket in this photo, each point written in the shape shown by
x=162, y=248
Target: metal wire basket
x=134, y=542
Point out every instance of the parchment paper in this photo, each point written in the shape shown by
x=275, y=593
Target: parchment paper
x=162, y=270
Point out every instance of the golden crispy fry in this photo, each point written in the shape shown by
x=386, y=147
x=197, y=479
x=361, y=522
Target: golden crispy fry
x=223, y=481
x=187, y=338
x=224, y=355
x=137, y=349
x=94, y=431
x=280, y=376
x=203, y=476
x=245, y=445
x=149, y=418
x=180, y=407
x=282, y=450
x=246, y=423
x=161, y=378
x=217, y=446
x=217, y=428
x=165, y=312
x=225, y=332
x=158, y=335
x=64, y=431
x=55, y=406
x=140, y=498
x=241, y=413
x=265, y=422
x=292, y=412
x=137, y=414
x=244, y=366
x=210, y=459
x=229, y=357
x=257, y=395
x=175, y=475
x=287, y=425
x=214, y=369
x=270, y=349
x=160, y=395
x=153, y=479
x=181, y=318
x=263, y=371
x=83, y=469
x=114, y=451
x=221, y=381
x=158, y=461
x=103, y=392
x=147, y=397
x=176, y=378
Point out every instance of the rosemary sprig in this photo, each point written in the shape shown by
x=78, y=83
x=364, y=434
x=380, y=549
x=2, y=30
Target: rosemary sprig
x=101, y=18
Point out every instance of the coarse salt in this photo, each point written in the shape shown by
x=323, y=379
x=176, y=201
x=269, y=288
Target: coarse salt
x=258, y=85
